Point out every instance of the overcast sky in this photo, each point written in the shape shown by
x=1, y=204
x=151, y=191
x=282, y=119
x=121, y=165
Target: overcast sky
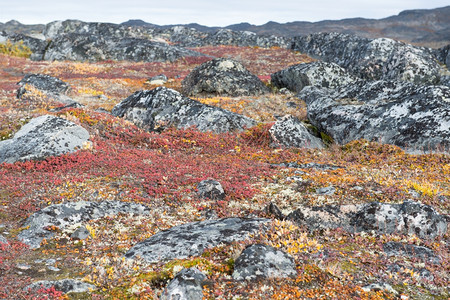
x=205, y=12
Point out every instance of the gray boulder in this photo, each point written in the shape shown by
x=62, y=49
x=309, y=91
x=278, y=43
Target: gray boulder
x=44, y=83
x=419, y=252
x=416, y=118
x=318, y=73
x=222, y=76
x=71, y=214
x=263, y=262
x=63, y=285
x=162, y=107
x=380, y=58
x=42, y=137
x=210, y=189
x=383, y=218
x=193, y=239
x=186, y=285
x=88, y=47
x=290, y=132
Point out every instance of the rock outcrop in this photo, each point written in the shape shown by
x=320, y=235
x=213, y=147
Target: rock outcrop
x=263, y=262
x=186, y=285
x=193, y=239
x=375, y=59
x=162, y=107
x=225, y=77
x=318, y=73
x=384, y=218
x=87, y=47
x=65, y=216
x=416, y=118
x=42, y=137
x=290, y=132
x=423, y=253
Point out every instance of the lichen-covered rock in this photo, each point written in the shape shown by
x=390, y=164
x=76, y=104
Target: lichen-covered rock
x=423, y=253
x=42, y=137
x=384, y=218
x=263, y=262
x=186, y=285
x=42, y=82
x=87, y=47
x=318, y=73
x=222, y=76
x=210, y=189
x=375, y=59
x=245, y=39
x=416, y=118
x=72, y=214
x=162, y=107
x=193, y=239
x=63, y=285
x=290, y=132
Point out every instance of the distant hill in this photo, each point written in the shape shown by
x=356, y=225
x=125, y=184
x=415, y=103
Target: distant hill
x=423, y=27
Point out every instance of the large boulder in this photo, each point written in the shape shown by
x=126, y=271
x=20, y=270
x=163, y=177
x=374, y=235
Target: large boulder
x=380, y=58
x=290, y=132
x=88, y=47
x=42, y=137
x=263, y=262
x=193, y=239
x=68, y=216
x=37, y=46
x=186, y=285
x=384, y=218
x=416, y=118
x=222, y=76
x=245, y=39
x=318, y=73
x=163, y=107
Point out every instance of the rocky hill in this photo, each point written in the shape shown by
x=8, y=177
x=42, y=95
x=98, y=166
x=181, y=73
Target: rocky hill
x=170, y=163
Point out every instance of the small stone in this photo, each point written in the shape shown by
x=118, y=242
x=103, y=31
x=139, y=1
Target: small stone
x=186, y=285
x=81, y=233
x=64, y=285
x=329, y=190
x=263, y=262
x=210, y=189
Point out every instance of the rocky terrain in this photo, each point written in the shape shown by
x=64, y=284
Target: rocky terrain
x=169, y=163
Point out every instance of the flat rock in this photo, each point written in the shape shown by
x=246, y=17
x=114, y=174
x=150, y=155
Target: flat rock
x=72, y=214
x=263, y=262
x=384, y=218
x=162, y=107
x=222, y=76
x=372, y=59
x=193, y=239
x=63, y=285
x=290, y=132
x=413, y=117
x=318, y=73
x=42, y=137
x=187, y=285
x=419, y=252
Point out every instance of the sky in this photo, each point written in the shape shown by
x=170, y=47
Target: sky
x=205, y=12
